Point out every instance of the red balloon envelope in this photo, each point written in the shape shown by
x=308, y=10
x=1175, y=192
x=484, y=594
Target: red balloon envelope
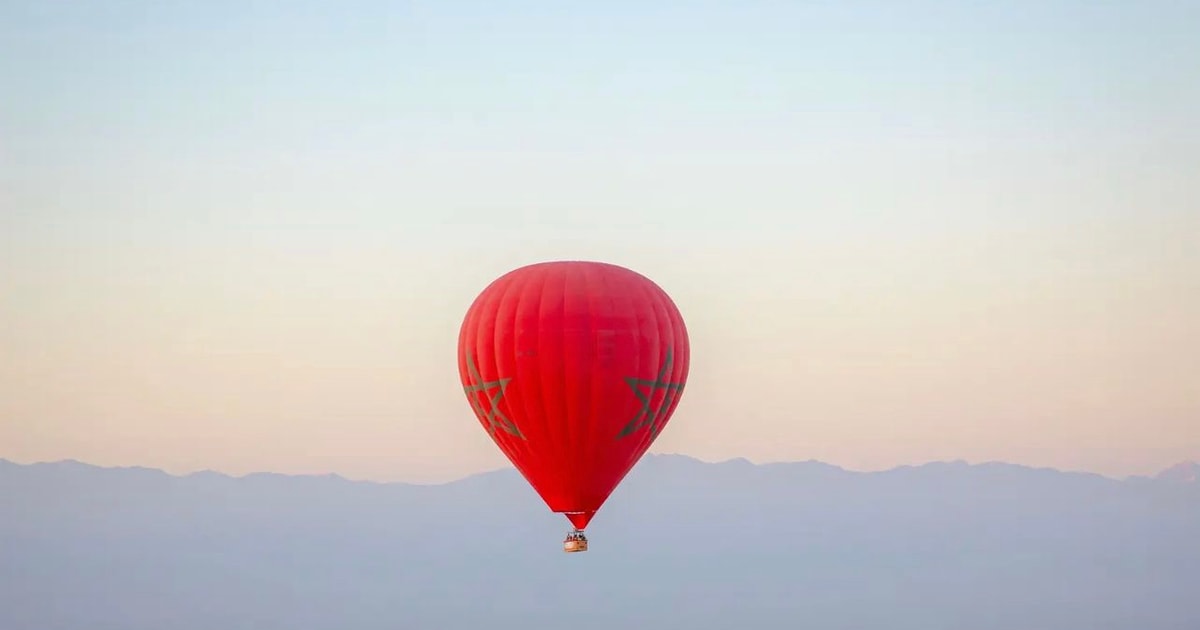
x=573, y=368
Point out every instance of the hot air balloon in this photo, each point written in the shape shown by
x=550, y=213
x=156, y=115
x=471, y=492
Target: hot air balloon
x=573, y=368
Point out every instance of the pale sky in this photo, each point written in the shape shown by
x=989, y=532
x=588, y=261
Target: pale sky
x=241, y=236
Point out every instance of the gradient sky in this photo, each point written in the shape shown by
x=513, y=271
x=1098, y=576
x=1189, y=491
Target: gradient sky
x=241, y=235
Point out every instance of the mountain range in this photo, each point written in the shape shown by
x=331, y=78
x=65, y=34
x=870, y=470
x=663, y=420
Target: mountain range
x=680, y=544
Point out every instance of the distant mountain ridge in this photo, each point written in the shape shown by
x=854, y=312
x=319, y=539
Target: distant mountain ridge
x=682, y=543
x=1185, y=471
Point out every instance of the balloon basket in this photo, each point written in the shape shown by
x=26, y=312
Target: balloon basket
x=575, y=542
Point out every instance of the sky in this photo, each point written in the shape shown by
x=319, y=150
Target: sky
x=241, y=236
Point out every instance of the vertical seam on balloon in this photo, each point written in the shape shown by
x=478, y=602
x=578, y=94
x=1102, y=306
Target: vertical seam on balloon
x=587, y=428
x=668, y=339
x=567, y=420
x=535, y=456
x=641, y=445
x=652, y=298
x=680, y=356
x=665, y=346
x=599, y=275
x=543, y=383
x=683, y=349
x=619, y=317
x=481, y=305
x=542, y=406
x=466, y=346
x=522, y=297
x=513, y=444
x=494, y=296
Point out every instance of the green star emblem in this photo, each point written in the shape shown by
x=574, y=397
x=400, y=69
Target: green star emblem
x=648, y=415
x=492, y=415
